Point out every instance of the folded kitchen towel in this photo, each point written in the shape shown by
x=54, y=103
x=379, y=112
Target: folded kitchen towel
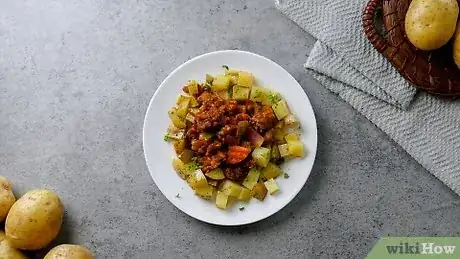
x=347, y=64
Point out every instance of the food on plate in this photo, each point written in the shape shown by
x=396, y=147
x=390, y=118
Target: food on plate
x=430, y=24
x=8, y=252
x=69, y=252
x=457, y=45
x=34, y=220
x=231, y=136
x=7, y=198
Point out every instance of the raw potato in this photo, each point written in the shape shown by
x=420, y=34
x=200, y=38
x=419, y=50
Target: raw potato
x=457, y=45
x=6, y=197
x=69, y=252
x=8, y=252
x=431, y=23
x=34, y=220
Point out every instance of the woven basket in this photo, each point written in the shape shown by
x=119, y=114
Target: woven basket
x=431, y=71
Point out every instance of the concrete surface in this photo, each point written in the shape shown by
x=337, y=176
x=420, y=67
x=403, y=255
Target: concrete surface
x=75, y=80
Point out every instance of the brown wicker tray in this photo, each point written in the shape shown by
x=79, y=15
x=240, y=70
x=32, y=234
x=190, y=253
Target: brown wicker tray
x=432, y=71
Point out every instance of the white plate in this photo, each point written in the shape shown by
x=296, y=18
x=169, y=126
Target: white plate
x=159, y=153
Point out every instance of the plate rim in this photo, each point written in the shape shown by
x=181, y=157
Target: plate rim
x=311, y=152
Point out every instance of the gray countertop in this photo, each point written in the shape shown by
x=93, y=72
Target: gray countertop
x=75, y=81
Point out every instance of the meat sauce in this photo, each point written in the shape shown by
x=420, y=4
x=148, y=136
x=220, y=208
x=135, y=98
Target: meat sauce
x=218, y=138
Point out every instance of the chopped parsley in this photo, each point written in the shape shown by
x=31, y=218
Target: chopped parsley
x=192, y=166
x=241, y=208
x=286, y=176
x=257, y=95
x=225, y=67
x=177, y=195
x=166, y=138
x=274, y=98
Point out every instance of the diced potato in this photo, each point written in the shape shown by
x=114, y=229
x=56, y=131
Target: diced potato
x=233, y=79
x=232, y=72
x=280, y=109
x=213, y=182
x=220, y=83
x=205, y=192
x=221, y=200
x=176, y=134
x=284, y=150
x=190, y=117
x=259, y=191
x=182, y=110
x=197, y=179
x=271, y=171
x=186, y=156
x=216, y=174
x=295, y=148
x=251, y=179
x=291, y=121
x=245, y=79
x=193, y=110
x=179, y=167
x=209, y=78
x=206, y=135
x=258, y=94
x=192, y=87
x=179, y=146
x=224, y=94
x=261, y=156
x=193, y=102
x=272, y=186
x=176, y=120
x=275, y=153
x=245, y=195
x=231, y=188
x=186, y=100
x=240, y=93
x=291, y=137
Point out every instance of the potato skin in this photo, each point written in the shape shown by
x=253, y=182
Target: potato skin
x=8, y=252
x=7, y=198
x=69, y=252
x=456, y=50
x=34, y=220
x=430, y=24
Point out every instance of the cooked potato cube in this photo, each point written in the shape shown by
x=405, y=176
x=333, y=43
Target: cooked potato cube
x=213, y=182
x=220, y=83
x=209, y=78
x=179, y=167
x=189, y=117
x=291, y=121
x=224, y=94
x=280, y=109
x=176, y=120
x=259, y=191
x=245, y=195
x=291, y=137
x=245, y=79
x=186, y=155
x=251, y=179
x=231, y=188
x=205, y=192
x=261, y=156
x=179, y=146
x=232, y=72
x=271, y=171
x=216, y=174
x=221, y=200
x=240, y=93
x=275, y=153
x=295, y=148
x=233, y=79
x=272, y=186
x=258, y=94
x=197, y=179
x=284, y=150
x=193, y=110
x=192, y=87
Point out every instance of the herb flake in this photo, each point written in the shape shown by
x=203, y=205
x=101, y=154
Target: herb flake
x=166, y=138
x=274, y=98
x=225, y=67
x=241, y=208
x=177, y=195
x=286, y=176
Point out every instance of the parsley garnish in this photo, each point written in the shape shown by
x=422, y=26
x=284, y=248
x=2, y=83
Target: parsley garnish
x=225, y=67
x=274, y=98
x=192, y=166
x=286, y=176
x=177, y=195
x=166, y=138
x=241, y=208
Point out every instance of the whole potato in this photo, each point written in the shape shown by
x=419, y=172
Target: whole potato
x=457, y=45
x=69, y=252
x=431, y=23
x=7, y=198
x=8, y=252
x=34, y=220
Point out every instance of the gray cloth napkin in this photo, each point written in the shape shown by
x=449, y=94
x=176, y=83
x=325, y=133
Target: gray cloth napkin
x=347, y=64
